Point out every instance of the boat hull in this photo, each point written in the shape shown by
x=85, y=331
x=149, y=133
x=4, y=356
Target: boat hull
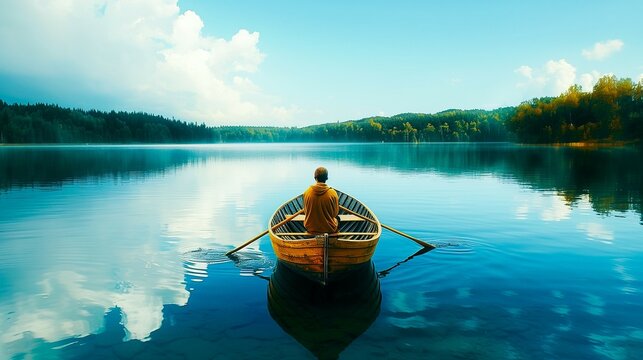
x=307, y=256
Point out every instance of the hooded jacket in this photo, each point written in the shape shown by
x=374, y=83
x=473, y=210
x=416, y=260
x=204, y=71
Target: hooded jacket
x=321, y=206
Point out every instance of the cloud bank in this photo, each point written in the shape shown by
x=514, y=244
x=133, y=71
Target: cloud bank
x=554, y=77
x=601, y=50
x=146, y=55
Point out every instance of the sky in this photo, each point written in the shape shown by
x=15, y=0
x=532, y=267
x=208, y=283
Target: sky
x=296, y=63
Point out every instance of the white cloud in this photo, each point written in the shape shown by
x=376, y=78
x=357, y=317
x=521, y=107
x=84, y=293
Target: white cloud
x=142, y=55
x=561, y=73
x=553, y=78
x=601, y=50
x=525, y=71
x=588, y=80
x=245, y=84
x=285, y=115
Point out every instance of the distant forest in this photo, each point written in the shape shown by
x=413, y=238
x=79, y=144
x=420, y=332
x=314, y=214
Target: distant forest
x=612, y=111
x=42, y=123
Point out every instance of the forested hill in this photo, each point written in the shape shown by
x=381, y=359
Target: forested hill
x=450, y=125
x=42, y=123
x=612, y=111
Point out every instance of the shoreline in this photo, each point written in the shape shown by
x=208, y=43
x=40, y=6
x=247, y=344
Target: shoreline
x=593, y=144
x=576, y=144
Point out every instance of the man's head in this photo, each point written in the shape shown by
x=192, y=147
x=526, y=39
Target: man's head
x=321, y=174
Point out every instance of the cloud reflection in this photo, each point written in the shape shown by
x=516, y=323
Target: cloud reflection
x=598, y=232
x=551, y=206
x=557, y=210
x=221, y=209
x=624, y=274
x=134, y=258
x=70, y=304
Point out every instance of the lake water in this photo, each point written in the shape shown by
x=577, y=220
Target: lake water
x=117, y=252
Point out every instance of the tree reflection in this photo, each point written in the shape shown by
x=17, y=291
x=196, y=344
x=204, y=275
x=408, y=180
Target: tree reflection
x=610, y=177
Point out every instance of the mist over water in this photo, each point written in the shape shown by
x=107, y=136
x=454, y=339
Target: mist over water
x=117, y=251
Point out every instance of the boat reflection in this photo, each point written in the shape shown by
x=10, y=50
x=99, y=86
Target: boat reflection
x=324, y=319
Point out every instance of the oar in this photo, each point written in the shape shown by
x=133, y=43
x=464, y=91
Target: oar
x=420, y=242
x=263, y=233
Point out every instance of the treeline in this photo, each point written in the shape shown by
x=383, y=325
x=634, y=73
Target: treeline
x=450, y=125
x=42, y=123
x=612, y=111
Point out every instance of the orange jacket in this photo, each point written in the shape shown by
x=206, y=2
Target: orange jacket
x=321, y=206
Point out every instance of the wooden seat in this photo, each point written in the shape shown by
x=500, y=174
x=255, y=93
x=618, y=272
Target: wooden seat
x=342, y=217
x=331, y=235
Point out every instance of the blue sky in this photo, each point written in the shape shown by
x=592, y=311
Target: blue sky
x=296, y=63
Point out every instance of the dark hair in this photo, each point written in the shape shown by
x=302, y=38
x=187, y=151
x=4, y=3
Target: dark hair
x=321, y=174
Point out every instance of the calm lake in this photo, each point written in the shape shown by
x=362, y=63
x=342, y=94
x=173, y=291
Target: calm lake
x=117, y=252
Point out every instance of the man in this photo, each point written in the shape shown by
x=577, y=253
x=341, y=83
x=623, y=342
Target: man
x=321, y=206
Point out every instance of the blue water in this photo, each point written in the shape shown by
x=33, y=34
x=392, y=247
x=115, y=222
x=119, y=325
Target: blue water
x=117, y=252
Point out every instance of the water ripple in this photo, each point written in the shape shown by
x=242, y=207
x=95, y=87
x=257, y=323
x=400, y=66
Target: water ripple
x=453, y=246
x=207, y=256
x=453, y=263
x=198, y=263
x=463, y=245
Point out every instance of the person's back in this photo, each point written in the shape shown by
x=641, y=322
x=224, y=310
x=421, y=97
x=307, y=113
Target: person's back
x=321, y=206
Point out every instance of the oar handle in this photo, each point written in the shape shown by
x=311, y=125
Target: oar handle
x=425, y=244
x=264, y=233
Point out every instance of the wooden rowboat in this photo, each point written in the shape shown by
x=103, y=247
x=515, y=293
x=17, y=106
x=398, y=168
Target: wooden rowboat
x=328, y=256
